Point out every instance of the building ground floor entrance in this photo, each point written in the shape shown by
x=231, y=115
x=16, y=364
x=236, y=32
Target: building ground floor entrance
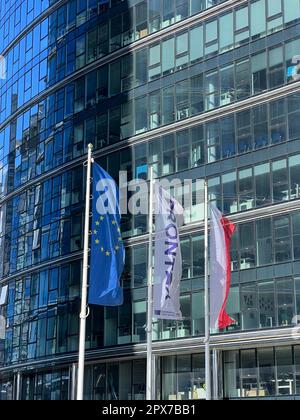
x=265, y=372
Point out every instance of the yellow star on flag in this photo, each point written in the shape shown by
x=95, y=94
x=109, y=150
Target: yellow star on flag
x=107, y=253
x=97, y=242
x=95, y=232
x=97, y=223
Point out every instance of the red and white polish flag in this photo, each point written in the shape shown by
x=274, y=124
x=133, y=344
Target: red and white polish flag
x=221, y=231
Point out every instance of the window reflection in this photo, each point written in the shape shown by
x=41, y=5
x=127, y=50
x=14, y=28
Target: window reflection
x=285, y=376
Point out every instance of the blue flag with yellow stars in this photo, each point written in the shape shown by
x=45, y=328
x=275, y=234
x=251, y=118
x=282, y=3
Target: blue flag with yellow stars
x=107, y=249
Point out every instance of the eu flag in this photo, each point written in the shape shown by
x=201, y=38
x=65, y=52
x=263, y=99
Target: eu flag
x=107, y=249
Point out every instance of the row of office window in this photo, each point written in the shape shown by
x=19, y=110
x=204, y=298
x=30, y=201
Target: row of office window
x=32, y=56
x=247, y=188
x=44, y=143
x=116, y=381
x=54, y=198
x=152, y=15
x=264, y=184
x=132, y=24
x=38, y=292
x=43, y=223
x=16, y=15
x=250, y=373
x=54, y=332
x=266, y=304
x=41, y=315
x=269, y=303
x=255, y=244
x=226, y=137
x=52, y=385
x=183, y=99
x=125, y=380
x=243, y=132
x=267, y=372
x=106, y=381
x=46, y=221
x=6, y=389
x=181, y=377
x=42, y=308
x=193, y=93
x=37, y=143
x=258, y=302
x=47, y=242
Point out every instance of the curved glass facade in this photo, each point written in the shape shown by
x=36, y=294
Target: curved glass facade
x=198, y=88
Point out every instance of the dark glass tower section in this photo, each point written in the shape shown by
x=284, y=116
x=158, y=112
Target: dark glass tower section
x=199, y=89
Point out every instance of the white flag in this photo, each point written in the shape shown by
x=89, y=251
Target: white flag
x=168, y=260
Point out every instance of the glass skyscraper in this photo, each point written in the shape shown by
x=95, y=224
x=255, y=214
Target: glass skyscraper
x=199, y=89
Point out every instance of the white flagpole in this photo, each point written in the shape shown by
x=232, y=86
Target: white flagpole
x=207, y=319
x=149, y=385
x=83, y=313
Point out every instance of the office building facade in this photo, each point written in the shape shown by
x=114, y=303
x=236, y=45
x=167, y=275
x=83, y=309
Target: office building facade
x=198, y=89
